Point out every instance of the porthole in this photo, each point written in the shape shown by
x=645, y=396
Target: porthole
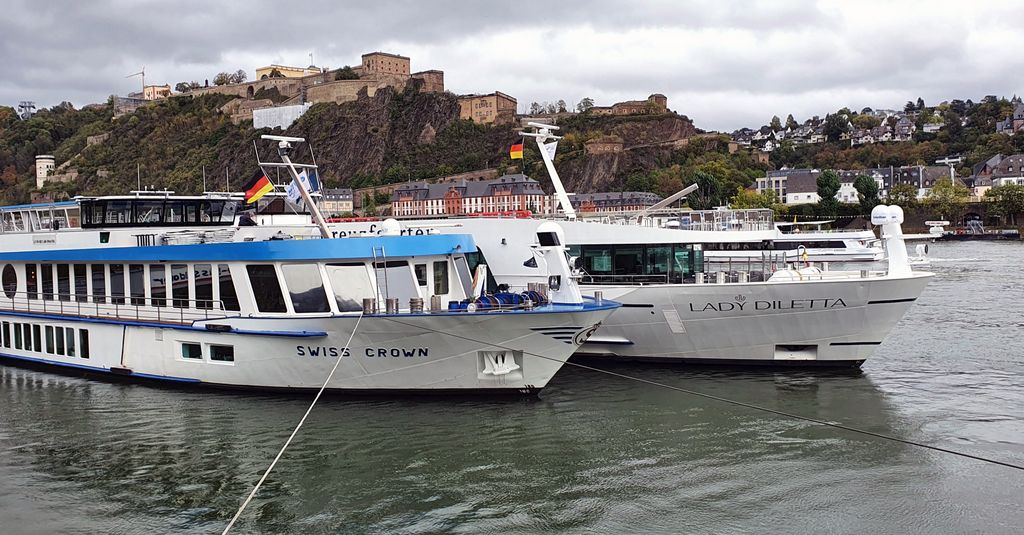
x=10, y=281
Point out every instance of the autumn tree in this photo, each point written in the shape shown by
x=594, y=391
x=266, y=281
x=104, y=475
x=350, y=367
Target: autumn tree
x=947, y=198
x=903, y=195
x=1007, y=202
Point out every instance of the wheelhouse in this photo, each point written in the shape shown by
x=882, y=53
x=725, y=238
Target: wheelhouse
x=638, y=263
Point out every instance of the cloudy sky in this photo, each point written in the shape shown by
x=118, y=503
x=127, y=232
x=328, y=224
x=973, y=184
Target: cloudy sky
x=724, y=63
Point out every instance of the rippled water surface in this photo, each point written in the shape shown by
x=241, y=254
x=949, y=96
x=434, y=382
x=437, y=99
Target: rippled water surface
x=594, y=454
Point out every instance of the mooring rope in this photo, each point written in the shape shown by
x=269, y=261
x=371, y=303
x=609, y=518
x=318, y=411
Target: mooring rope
x=295, y=431
x=743, y=404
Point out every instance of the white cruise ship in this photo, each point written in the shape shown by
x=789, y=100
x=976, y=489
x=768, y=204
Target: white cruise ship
x=169, y=288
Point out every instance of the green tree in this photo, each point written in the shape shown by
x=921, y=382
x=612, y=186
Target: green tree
x=776, y=123
x=1007, y=202
x=585, y=105
x=346, y=73
x=747, y=198
x=561, y=106
x=222, y=78
x=369, y=205
x=867, y=193
x=828, y=187
x=903, y=195
x=947, y=198
x=791, y=122
x=835, y=126
x=709, y=192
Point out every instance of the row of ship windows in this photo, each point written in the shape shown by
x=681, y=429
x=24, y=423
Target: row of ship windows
x=109, y=283
x=58, y=340
x=147, y=284
x=216, y=352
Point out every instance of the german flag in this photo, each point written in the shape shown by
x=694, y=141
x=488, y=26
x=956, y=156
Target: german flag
x=516, y=152
x=257, y=187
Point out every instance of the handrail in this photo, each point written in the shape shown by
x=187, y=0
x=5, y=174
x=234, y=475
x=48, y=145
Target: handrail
x=119, y=307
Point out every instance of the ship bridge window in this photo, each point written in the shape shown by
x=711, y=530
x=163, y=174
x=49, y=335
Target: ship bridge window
x=149, y=212
x=305, y=287
x=266, y=288
x=118, y=212
x=351, y=284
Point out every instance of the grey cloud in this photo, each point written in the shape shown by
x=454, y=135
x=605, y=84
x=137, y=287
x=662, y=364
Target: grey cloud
x=797, y=54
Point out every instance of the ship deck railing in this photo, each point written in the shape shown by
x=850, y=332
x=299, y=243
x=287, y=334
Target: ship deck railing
x=728, y=276
x=118, y=308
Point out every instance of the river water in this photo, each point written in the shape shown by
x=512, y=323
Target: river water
x=595, y=454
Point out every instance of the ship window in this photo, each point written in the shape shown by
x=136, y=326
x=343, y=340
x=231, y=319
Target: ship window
x=421, y=274
x=228, y=295
x=149, y=212
x=179, y=285
x=137, y=277
x=204, y=285
x=10, y=281
x=99, y=283
x=351, y=284
x=190, y=350
x=158, y=284
x=305, y=287
x=37, y=337
x=174, y=212
x=462, y=270
x=117, y=284
x=31, y=281
x=63, y=282
x=397, y=279
x=83, y=342
x=441, y=277
x=47, y=273
x=81, y=284
x=547, y=239
x=59, y=337
x=49, y=339
x=118, y=212
x=7, y=334
x=266, y=288
x=27, y=329
x=17, y=336
x=222, y=353
x=70, y=337
x=657, y=260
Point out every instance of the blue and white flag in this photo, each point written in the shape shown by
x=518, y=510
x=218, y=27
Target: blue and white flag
x=308, y=181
